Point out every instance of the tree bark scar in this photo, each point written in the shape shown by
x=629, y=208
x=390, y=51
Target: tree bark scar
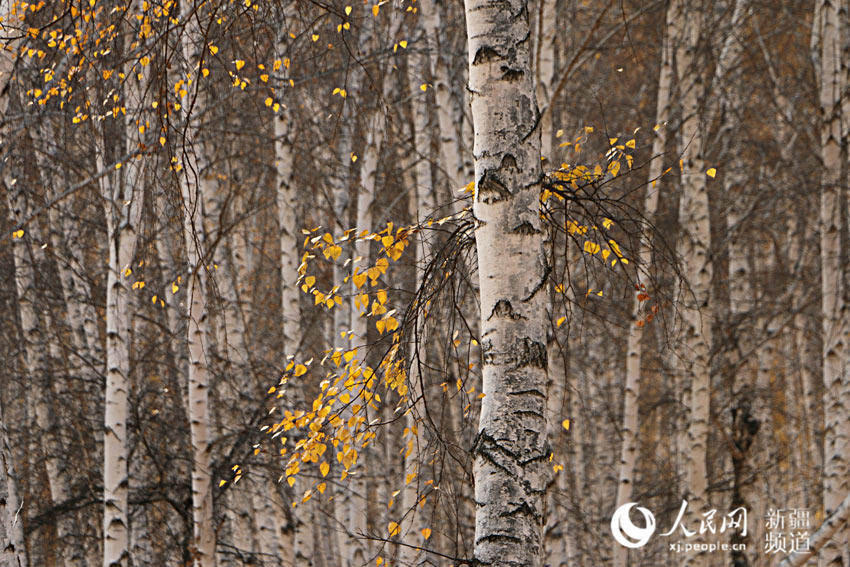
x=511, y=75
x=504, y=309
x=491, y=189
x=485, y=54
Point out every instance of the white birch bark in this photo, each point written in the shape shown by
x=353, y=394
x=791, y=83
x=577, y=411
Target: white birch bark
x=559, y=533
x=12, y=549
x=122, y=201
x=451, y=156
x=545, y=69
x=287, y=209
x=825, y=26
x=195, y=184
x=511, y=451
x=634, y=349
x=349, y=547
x=122, y=194
x=694, y=250
x=422, y=203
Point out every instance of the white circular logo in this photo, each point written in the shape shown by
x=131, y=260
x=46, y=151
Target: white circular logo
x=625, y=532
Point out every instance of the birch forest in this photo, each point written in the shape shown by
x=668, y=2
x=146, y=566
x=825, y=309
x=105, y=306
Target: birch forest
x=408, y=283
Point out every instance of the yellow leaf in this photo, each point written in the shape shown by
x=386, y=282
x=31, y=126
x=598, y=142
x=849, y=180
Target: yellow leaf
x=18, y=233
x=321, y=488
x=174, y=288
x=205, y=72
x=403, y=44
x=222, y=483
x=631, y=143
x=290, y=481
x=612, y=141
x=423, y=87
x=426, y=532
x=213, y=49
x=375, y=9
x=393, y=528
x=712, y=171
x=300, y=370
x=324, y=468
x=561, y=321
x=359, y=279
x=315, y=37
x=348, y=10
x=591, y=247
x=566, y=424
x=269, y=101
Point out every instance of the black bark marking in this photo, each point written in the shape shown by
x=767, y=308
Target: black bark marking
x=504, y=309
x=485, y=54
x=547, y=270
x=511, y=75
x=525, y=228
x=508, y=161
x=491, y=189
x=523, y=352
x=533, y=392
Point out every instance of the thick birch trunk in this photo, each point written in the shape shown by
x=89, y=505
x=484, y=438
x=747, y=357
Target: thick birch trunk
x=195, y=184
x=122, y=194
x=634, y=349
x=694, y=251
x=511, y=450
x=835, y=480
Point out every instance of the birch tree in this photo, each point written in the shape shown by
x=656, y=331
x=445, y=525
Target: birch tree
x=511, y=449
x=122, y=193
x=694, y=249
x=194, y=185
x=12, y=547
x=835, y=482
